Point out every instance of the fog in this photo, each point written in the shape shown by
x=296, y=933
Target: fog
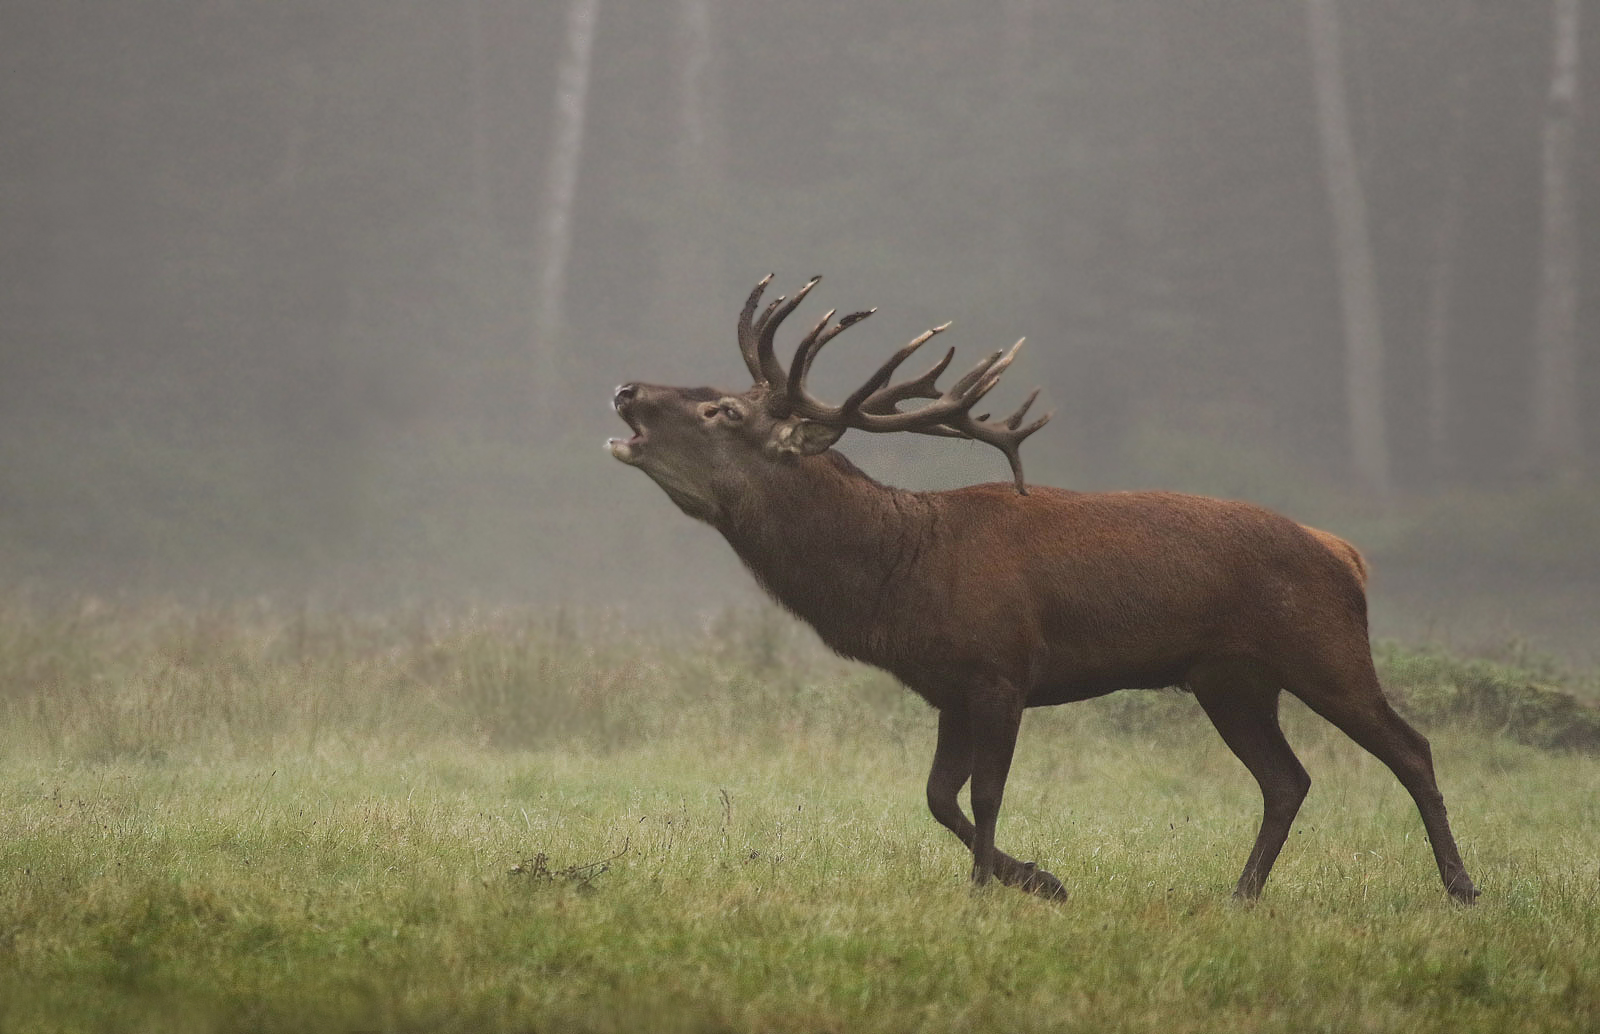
x=325, y=302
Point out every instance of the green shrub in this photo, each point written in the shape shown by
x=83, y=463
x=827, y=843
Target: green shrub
x=1524, y=702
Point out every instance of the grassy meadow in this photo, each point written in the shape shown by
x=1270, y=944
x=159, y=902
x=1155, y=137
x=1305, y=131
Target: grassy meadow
x=242, y=819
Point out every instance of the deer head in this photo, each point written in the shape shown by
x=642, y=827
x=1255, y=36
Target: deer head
x=698, y=444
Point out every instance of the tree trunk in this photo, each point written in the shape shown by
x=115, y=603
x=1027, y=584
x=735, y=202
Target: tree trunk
x=1557, y=433
x=1436, y=329
x=699, y=136
x=686, y=254
x=1017, y=112
x=1358, y=295
x=478, y=153
x=553, y=240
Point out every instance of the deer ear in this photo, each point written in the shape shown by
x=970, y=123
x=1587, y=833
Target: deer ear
x=804, y=438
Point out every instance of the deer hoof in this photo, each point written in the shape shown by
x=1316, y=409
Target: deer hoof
x=1035, y=880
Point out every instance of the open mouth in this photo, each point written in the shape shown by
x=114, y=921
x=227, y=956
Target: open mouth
x=627, y=449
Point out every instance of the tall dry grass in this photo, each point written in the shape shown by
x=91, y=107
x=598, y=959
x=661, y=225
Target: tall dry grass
x=99, y=681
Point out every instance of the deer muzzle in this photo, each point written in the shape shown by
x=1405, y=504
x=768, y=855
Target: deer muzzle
x=626, y=449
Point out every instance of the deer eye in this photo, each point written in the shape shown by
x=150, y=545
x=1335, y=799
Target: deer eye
x=733, y=414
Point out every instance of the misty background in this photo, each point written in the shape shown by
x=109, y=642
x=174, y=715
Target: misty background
x=326, y=301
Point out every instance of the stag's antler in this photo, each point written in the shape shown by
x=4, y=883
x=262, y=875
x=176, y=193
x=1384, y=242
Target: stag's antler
x=875, y=405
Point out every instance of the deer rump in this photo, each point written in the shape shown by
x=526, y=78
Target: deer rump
x=990, y=599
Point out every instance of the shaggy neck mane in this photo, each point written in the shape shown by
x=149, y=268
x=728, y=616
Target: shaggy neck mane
x=829, y=543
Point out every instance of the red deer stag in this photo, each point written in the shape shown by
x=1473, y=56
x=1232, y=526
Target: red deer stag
x=990, y=599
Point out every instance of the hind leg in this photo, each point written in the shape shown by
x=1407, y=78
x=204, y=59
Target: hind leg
x=1350, y=697
x=1243, y=705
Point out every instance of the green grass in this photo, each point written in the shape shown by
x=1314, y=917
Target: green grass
x=246, y=821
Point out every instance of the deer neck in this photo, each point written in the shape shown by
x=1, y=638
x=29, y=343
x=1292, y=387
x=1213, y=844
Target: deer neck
x=830, y=544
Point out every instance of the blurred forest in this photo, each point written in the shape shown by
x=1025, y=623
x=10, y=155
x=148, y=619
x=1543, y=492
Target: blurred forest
x=327, y=300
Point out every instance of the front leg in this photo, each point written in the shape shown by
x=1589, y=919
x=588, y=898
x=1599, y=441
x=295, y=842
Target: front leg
x=952, y=766
x=994, y=714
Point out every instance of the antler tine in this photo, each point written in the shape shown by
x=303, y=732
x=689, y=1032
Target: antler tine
x=807, y=349
x=950, y=414
x=974, y=377
x=749, y=333
x=885, y=400
x=771, y=371
x=991, y=377
x=1010, y=426
x=793, y=396
x=1022, y=410
x=820, y=335
x=945, y=408
x=1008, y=439
x=1006, y=435
x=845, y=323
x=868, y=389
x=751, y=302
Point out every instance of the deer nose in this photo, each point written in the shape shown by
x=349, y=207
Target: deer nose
x=624, y=393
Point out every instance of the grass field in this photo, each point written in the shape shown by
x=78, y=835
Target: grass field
x=251, y=821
